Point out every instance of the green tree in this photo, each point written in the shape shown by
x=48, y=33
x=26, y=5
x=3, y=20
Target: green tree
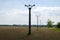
x=49, y=23
x=58, y=25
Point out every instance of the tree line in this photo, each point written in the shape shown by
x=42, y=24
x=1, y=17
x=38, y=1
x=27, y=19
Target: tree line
x=50, y=24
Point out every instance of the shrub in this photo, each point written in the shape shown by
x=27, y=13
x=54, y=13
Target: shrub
x=49, y=24
x=58, y=25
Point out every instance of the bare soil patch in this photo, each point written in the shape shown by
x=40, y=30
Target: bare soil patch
x=20, y=33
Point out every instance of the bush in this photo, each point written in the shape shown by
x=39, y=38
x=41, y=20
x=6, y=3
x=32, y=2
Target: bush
x=49, y=24
x=58, y=25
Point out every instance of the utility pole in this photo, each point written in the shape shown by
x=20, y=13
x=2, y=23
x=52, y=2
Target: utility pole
x=37, y=21
x=29, y=7
x=40, y=22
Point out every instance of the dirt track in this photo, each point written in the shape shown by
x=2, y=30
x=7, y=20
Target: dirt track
x=15, y=33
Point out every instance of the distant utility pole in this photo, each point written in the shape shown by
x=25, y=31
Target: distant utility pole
x=37, y=21
x=29, y=7
x=40, y=22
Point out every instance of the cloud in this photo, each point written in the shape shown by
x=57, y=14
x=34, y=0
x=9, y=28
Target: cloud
x=46, y=13
x=14, y=16
x=19, y=16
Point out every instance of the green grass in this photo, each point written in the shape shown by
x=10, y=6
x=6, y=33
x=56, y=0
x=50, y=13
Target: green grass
x=56, y=29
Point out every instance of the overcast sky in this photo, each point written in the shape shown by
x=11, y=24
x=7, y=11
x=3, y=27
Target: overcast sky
x=14, y=11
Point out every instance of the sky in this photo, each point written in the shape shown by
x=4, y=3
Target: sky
x=15, y=12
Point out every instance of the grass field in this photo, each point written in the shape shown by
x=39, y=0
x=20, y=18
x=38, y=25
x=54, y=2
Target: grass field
x=20, y=33
x=56, y=29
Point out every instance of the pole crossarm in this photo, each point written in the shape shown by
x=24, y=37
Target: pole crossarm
x=29, y=6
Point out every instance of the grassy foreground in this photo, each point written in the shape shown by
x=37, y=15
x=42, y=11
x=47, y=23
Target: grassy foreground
x=56, y=29
x=20, y=33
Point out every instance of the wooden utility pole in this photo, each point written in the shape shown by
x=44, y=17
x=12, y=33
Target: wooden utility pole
x=29, y=7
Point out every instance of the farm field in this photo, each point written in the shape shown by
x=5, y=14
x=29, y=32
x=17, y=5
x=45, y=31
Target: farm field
x=20, y=33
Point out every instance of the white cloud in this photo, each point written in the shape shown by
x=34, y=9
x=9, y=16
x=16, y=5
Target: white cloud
x=48, y=13
x=19, y=16
x=14, y=16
